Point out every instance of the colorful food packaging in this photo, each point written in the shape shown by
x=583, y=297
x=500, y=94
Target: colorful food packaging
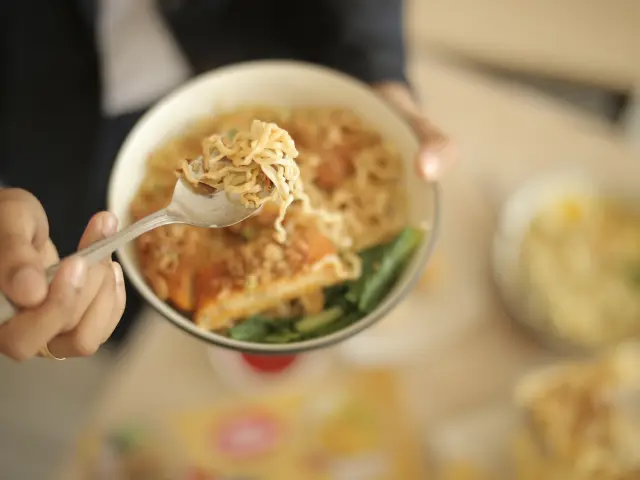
x=350, y=429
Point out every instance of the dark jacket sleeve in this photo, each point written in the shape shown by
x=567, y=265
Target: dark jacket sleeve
x=49, y=109
x=366, y=40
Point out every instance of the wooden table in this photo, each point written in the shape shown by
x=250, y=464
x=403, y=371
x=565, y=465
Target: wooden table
x=471, y=353
x=594, y=42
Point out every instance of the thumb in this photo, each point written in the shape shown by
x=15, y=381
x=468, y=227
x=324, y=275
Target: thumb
x=436, y=150
x=23, y=226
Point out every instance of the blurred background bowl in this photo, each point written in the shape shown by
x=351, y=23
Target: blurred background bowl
x=515, y=219
x=280, y=84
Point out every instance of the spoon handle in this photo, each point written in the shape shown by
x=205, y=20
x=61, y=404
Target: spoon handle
x=99, y=250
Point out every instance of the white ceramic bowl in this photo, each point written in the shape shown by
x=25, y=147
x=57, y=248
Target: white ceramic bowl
x=278, y=83
x=513, y=224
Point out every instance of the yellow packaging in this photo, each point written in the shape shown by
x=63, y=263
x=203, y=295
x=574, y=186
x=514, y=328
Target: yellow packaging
x=352, y=429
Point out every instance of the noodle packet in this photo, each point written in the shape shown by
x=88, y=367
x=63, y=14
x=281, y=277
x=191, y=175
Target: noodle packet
x=352, y=428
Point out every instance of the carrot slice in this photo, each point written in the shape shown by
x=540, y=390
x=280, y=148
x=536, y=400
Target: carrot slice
x=181, y=289
x=319, y=245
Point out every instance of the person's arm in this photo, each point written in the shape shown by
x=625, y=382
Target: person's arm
x=367, y=42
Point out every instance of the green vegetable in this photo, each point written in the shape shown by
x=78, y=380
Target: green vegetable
x=345, y=303
x=343, y=322
x=334, y=295
x=253, y=329
x=373, y=254
x=393, y=259
x=284, y=336
x=313, y=322
x=370, y=259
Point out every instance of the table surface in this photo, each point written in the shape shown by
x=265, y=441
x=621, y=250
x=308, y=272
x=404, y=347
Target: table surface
x=505, y=134
x=590, y=41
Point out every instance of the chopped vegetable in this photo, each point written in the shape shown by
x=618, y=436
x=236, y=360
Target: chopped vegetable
x=373, y=254
x=345, y=303
x=370, y=259
x=334, y=294
x=253, y=329
x=284, y=336
x=319, y=246
x=393, y=260
x=340, y=324
x=181, y=287
x=313, y=322
x=313, y=302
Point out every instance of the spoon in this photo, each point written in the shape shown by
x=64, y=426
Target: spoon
x=200, y=207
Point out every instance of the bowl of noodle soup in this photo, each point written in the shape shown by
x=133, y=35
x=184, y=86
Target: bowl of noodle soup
x=360, y=211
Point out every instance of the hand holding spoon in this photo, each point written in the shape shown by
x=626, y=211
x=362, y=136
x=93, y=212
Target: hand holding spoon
x=197, y=207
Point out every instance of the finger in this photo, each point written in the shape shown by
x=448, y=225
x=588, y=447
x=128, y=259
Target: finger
x=120, y=302
x=96, y=275
x=27, y=332
x=23, y=215
x=436, y=151
x=87, y=337
x=429, y=165
x=23, y=230
x=101, y=225
x=49, y=254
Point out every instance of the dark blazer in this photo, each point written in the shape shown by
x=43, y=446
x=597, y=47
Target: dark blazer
x=53, y=139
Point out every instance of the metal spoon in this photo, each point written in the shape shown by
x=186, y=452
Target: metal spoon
x=197, y=207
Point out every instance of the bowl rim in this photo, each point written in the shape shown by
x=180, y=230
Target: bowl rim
x=413, y=271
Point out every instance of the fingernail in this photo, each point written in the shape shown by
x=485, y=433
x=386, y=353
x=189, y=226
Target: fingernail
x=77, y=273
x=27, y=279
x=117, y=273
x=109, y=224
x=430, y=164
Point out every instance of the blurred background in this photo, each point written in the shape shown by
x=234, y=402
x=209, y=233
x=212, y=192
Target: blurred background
x=516, y=84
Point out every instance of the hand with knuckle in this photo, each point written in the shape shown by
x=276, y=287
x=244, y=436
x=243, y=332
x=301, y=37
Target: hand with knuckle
x=49, y=254
x=95, y=280
x=63, y=303
x=66, y=305
x=119, y=301
x=84, y=343
x=80, y=302
x=24, y=230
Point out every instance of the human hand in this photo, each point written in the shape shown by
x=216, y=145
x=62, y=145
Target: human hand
x=79, y=310
x=436, y=150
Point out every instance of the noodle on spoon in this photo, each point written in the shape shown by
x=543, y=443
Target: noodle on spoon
x=259, y=166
